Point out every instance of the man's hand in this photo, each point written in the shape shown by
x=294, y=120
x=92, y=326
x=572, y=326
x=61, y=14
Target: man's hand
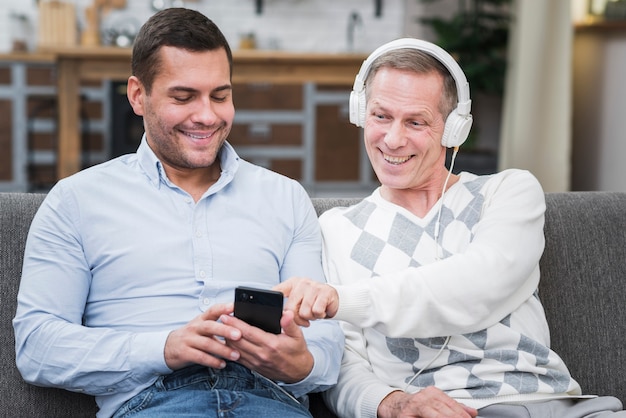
x=427, y=403
x=284, y=357
x=197, y=342
x=308, y=299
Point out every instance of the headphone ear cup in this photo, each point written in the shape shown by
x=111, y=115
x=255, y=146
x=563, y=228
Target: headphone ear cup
x=456, y=130
x=357, y=107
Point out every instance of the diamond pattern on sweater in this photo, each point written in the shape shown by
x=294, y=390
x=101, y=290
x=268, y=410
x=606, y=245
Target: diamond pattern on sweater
x=405, y=235
x=367, y=250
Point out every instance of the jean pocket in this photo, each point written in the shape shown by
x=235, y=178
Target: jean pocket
x=276, y=391
x=136, y=404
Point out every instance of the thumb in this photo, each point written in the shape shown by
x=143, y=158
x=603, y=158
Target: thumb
x=217, y=310
x=289, y=326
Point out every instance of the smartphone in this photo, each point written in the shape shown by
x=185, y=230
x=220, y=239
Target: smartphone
x=260, y=308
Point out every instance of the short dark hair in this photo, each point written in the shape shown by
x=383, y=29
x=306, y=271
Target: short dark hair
x=417, y=61
x=179, y=28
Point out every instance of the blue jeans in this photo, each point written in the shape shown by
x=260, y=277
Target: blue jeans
x=198, y=391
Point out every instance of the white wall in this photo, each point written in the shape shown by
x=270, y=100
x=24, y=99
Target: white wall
x=293, y=25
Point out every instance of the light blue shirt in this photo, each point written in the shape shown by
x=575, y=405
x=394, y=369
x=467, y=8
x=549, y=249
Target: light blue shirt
x=118, y=256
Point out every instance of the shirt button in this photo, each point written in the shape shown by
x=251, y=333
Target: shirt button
x=202, y=274
x=206, y=301
x=198, y=233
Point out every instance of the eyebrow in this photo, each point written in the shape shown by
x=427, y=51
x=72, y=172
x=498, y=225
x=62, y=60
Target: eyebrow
x=192, y=90
x=384, y=109
x=224, y=87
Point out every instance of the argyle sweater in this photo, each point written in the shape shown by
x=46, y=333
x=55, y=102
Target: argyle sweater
x=406, y=283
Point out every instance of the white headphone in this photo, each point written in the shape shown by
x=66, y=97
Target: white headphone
x=458, y=123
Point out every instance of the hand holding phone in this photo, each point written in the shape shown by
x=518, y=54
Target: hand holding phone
x=260, y=308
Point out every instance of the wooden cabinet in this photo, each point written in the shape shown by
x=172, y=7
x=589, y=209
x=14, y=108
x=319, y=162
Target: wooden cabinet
x=28, y=124
x=338, y=145
x=300, y=130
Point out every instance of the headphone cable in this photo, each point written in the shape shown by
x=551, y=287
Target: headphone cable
x=445, y=344
x=443, y=191
x=436, y=233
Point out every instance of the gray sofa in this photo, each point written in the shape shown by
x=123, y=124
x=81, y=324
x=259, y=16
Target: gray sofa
x=583, y=289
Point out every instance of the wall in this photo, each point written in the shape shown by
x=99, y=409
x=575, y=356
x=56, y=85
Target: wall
x=293, y=25
x=599, y=138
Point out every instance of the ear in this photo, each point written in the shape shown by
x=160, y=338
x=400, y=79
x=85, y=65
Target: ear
x=135, y=93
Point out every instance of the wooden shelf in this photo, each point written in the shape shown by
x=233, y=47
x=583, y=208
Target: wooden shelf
x=601, y=26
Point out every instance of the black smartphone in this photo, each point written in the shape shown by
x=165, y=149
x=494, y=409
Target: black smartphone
x=260, y=308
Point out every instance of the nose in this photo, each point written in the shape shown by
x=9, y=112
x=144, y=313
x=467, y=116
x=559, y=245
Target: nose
x=205, y=113
x=395, y=137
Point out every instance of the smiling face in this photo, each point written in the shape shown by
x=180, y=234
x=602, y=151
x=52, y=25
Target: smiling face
x=403, y=129
x=189, y=111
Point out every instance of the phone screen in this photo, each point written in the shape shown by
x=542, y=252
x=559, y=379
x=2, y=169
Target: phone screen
x=260, y=308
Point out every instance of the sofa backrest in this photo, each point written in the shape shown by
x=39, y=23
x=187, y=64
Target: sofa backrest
x=582, y=288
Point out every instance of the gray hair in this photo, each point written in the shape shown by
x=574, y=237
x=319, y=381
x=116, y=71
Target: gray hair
x=419, y=62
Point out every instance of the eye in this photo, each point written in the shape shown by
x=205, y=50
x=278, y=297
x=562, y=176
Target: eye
x=220, y=98
x=222, y=94
x=182, y=99
x=378, y=115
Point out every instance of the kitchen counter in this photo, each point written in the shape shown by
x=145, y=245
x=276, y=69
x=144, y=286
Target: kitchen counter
x=76, y=64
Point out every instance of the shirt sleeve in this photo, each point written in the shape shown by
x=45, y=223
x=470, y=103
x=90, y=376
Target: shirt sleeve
x=325, y=339
x=53, y=348
x=325, y=342
x=465, y=292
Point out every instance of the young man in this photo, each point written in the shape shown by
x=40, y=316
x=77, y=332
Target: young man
x=435, y=275
x=130, y=266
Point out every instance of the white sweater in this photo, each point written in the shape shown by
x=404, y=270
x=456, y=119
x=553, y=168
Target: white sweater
x=400, y=300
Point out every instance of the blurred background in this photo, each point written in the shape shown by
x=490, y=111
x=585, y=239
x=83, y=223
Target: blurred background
x=546, y=81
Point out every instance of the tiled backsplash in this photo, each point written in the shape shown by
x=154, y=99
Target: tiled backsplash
x=292, y=25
